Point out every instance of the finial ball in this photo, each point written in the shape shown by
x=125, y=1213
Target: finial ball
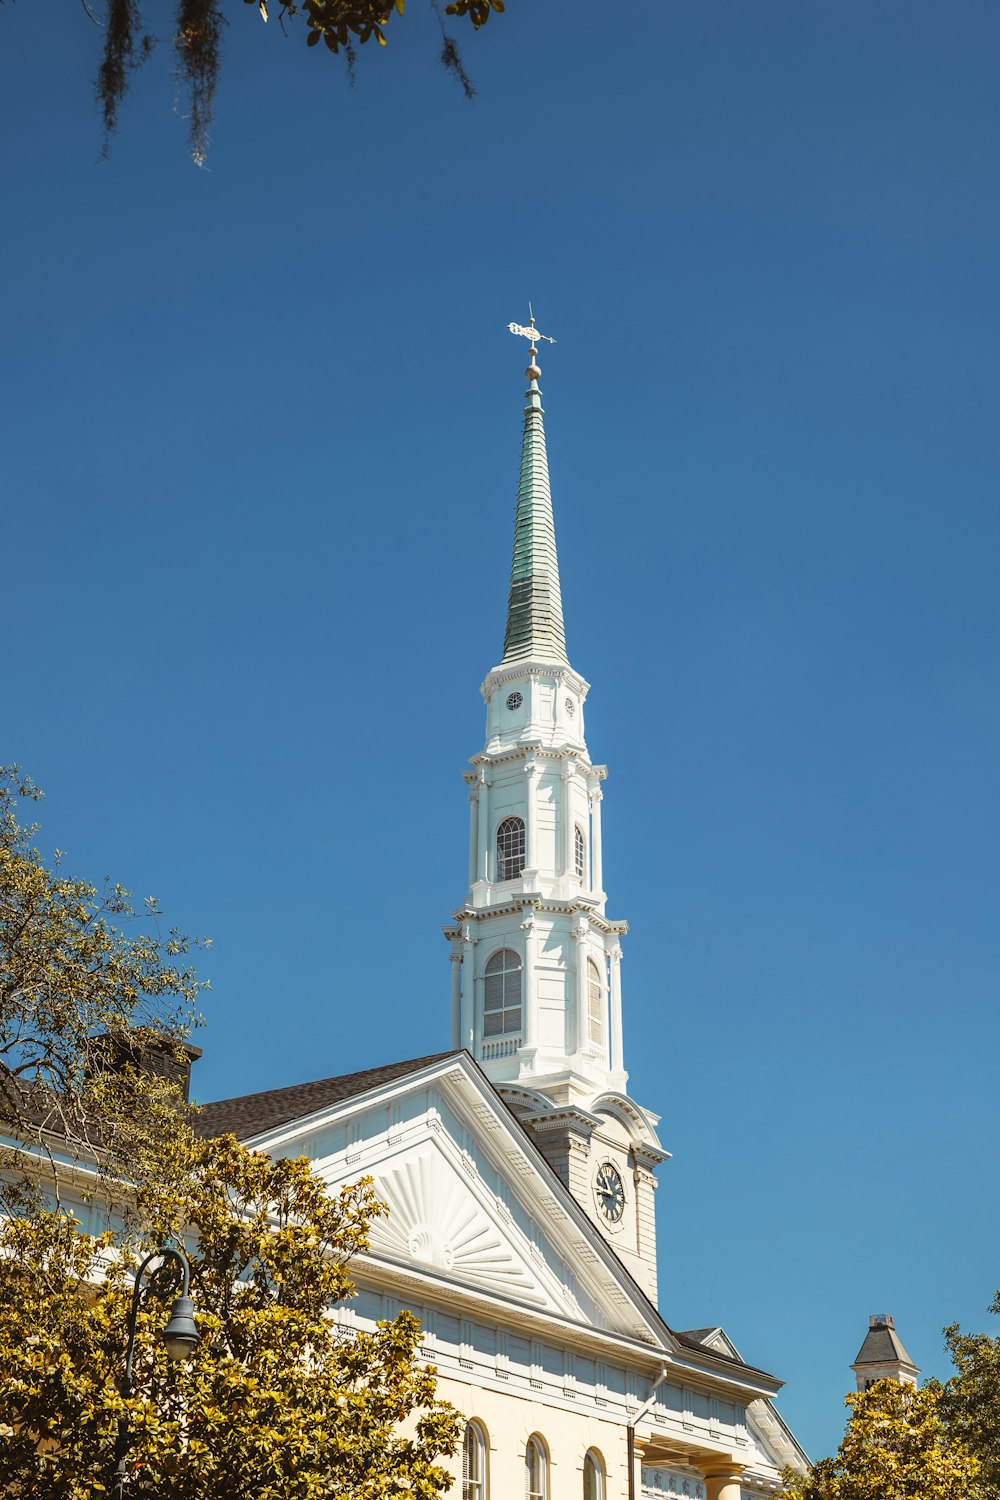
x=533, y=372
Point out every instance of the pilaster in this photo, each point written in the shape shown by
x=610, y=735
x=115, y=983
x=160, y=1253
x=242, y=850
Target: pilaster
x=566, y=776
x=468, y=997
x=483, y=822
x=579, y=934
x=473, y=835
x=619, y=1076
x=455, y=957
x=529, y=1019
x=596, y=846
x=532, y=772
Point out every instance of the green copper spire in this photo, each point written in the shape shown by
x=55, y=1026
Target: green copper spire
x=534, y=612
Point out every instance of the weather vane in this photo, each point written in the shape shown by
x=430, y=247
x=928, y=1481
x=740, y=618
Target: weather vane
x=529, y=333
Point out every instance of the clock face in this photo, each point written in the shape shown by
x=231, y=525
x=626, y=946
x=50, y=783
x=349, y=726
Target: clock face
x=609, y=1190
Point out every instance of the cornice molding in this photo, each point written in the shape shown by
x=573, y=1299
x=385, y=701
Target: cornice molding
x=541, y=904
x=535, y=750
x=508, y=672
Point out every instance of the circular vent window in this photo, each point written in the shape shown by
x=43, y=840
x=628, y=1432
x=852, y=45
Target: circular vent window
x=514, y=700
x=570, y=707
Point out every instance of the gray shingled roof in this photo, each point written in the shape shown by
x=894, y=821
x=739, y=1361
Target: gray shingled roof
x=883, y=1346
x=249, y=1114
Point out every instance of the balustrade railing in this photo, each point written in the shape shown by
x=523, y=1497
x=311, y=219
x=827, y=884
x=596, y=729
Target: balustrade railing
x=506, y=1048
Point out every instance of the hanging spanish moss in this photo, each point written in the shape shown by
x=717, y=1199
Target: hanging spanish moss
x=126, y=46
x=343, y=25
x=197, y=43
x=451, y=60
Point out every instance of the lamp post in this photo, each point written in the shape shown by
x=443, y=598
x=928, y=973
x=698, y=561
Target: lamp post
x=180, y=1338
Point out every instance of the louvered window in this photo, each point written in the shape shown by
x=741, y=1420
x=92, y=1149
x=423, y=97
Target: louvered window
x=595, y=1004
x=579, y=852
x=535, y=1475
x=510, y=849
x=473, y=1464
x=502, y=1002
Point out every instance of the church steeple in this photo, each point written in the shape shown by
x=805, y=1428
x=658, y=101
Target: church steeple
x=536, y=961
x=534, y=608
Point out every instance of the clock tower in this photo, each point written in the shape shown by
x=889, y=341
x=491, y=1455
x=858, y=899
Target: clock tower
x=536, y=994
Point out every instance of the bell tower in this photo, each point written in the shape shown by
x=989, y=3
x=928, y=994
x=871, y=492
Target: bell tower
x=536, y=994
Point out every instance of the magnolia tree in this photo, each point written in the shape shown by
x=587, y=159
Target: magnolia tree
x=970, y=1400
x=87, y=995
x=276, y=1403
x=895, y=1448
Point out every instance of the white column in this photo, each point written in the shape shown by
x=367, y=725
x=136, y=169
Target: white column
x=723, y=1483
x=456, y=995
x=531, y=771
x=596, y=857
x=473, y=834
x=617, y=1048
x=567, y=818
x=484, y=826
x=579, y=938
x=468, y=1001
x=529, y=1009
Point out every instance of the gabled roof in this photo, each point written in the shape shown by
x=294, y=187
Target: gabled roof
x=254, y=1115
x=249, y=1114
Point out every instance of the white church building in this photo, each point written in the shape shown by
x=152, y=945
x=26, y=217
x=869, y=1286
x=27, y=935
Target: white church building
x=518, y=1169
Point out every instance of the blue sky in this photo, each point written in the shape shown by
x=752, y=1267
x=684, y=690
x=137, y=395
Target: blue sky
x=262, y=425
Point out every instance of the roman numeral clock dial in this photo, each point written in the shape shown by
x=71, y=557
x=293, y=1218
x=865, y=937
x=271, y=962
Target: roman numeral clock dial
x=609, y=1191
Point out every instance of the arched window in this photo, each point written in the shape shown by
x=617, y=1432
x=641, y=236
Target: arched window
x=502, y=1001
x=593, y=1477
x=536, y=1478
x=474, y=1463
x=580, y=852
x=595, y=1004
x=510, y=849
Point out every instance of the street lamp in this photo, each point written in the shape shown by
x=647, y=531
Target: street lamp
x=180, y=1338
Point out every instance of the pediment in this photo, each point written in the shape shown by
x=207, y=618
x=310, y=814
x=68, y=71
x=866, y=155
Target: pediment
x=441, y=1220
x=471, y=1203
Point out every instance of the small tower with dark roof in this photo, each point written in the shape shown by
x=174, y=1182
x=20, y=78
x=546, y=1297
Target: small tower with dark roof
x=882, y=1356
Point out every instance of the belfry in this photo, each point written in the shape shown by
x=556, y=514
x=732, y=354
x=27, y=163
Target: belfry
x=536, y=992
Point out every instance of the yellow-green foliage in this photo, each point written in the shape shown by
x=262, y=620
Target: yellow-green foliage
x=78, y=992
x=970, y=1400
x=894, y=1448
x=276, y=1404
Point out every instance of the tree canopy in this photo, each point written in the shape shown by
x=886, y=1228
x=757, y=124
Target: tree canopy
x=970, y=1400
x=895, y=1447
x=277, y=1403
x=197, y=29
x=83, y=1006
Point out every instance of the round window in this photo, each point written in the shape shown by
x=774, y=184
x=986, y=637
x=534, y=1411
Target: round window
x=570, y=707
x=514, y=700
